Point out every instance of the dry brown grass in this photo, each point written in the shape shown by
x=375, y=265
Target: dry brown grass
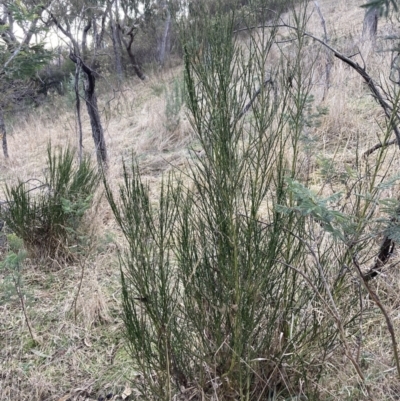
x=85, y=357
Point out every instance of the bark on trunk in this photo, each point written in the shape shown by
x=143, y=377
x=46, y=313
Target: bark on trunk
x=77, y=55
x=164, y=39
x=96, y=37
x=3, y=134
x=329, y=57
x=117, y=52
x=78, y=113
x=94, y=115
x=132, y=57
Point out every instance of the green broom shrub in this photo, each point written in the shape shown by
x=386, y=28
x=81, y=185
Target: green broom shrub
x=48, y=217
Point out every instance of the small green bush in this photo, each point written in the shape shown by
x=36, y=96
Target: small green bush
x=175, y=98
x=11, y=269
x=215, y=278
x=48, y=217
x=15, y=243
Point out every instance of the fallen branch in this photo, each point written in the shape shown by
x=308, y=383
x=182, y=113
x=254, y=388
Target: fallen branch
x=378, y=146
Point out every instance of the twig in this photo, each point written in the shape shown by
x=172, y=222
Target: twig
x=75, y=301
x=42, y=185
x=82, y=263
x=252, y=100
x=21, y=298
x=336, y=318
x=378, y=146
x=360, y=337
x=331, y=308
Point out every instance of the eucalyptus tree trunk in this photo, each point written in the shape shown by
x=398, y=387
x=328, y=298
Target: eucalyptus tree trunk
x=93, y=111
x=78, y=112
x=164, y=38
x=94, y=115
x=329, y=57
x=116, y=42
x=78, y=54
x=3, y=134
x=132, y=56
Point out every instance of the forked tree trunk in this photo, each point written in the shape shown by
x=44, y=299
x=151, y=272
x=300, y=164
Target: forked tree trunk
x=3, y=134
x=94, y=115
x=132, y=57
x=77, y=54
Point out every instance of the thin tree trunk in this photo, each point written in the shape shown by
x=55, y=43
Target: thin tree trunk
x=329, y=62
x=96, y=38
x=164, y=38
x=94, y=115
x=116, y=49
x=3, y=134
x=77, y=54
x=132, y=57
x=120, y=45
x=117, y=38
x=84, y=38
x=78, y=112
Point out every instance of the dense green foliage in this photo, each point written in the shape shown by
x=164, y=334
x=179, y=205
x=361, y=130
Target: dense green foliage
x=48, y=216
x=220, y=287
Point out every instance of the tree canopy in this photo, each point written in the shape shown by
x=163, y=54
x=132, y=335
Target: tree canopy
x=383, y=6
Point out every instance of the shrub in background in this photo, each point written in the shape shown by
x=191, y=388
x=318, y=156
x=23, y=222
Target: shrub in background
x=48, y=217
x=174, y=100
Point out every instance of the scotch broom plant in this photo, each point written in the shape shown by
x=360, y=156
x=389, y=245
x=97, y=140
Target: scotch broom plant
x=47, y=214
x=238, y=282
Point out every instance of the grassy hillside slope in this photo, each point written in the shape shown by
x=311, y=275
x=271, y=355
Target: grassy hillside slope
x=81, y=354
